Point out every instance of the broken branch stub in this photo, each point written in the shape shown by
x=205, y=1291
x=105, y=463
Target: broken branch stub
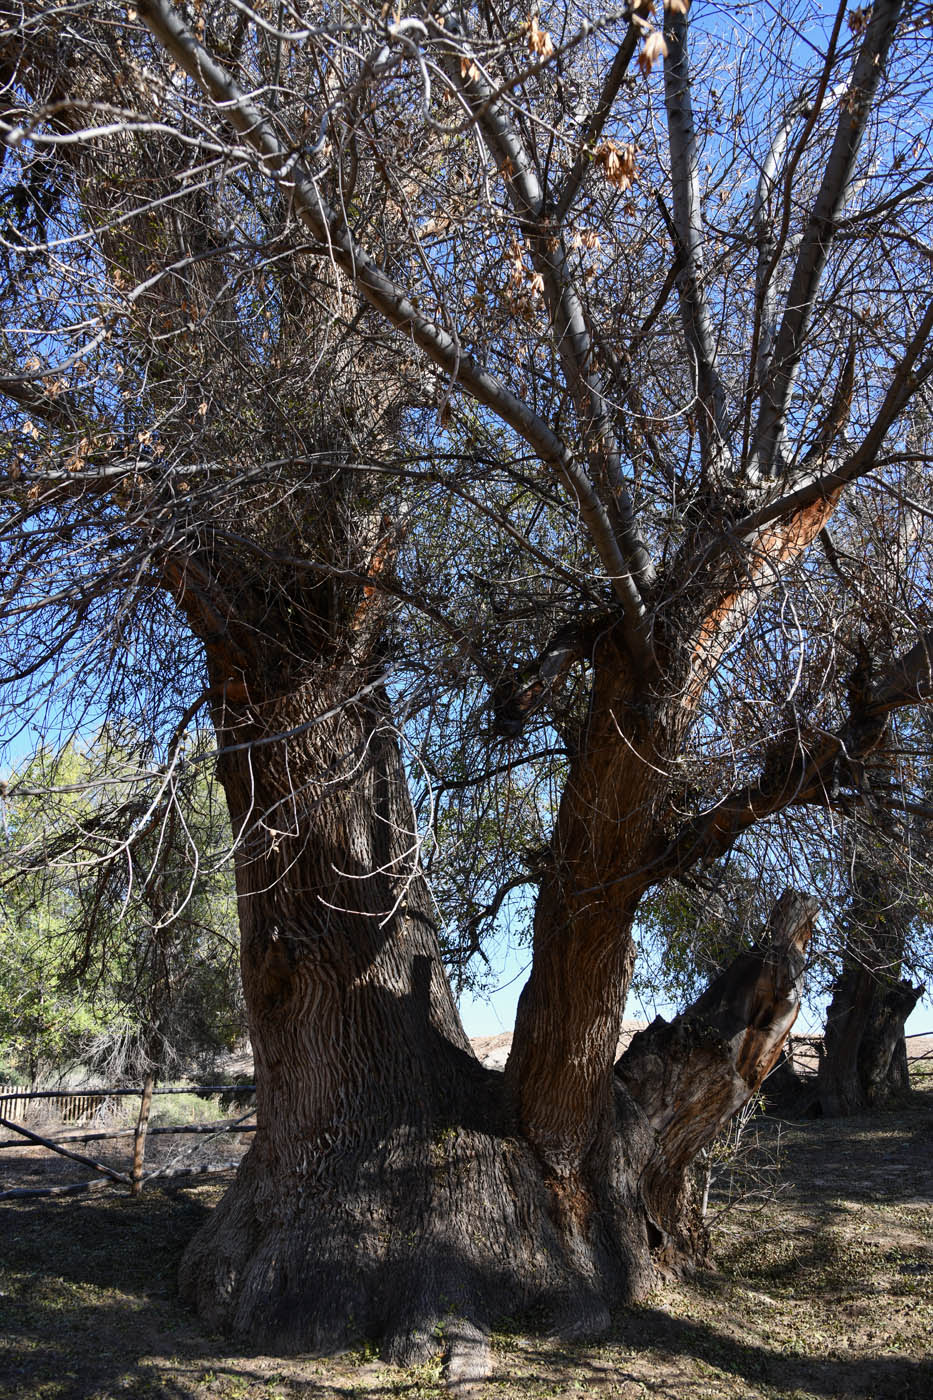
x=687, y=1077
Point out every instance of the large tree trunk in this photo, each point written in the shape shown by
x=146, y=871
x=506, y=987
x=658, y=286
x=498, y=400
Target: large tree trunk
x=356, y=1210
x=389, y=1190
x=392, y=1189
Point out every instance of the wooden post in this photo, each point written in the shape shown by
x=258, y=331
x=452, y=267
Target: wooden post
x=139, y=1136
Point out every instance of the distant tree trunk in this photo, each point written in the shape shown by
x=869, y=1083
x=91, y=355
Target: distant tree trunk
x=864, y=1061
x=883, y=1064
x=139, y=1136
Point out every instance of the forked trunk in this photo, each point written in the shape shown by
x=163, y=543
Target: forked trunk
x=392, y=1189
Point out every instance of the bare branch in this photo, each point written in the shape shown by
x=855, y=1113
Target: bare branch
x=792, y=774
x=814, y=249
x=690, y=246
x=595, y=124
x=907, y=378
x=393, y=303
x=574, y=341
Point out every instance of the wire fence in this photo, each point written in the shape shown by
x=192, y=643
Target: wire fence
x=803, y=1052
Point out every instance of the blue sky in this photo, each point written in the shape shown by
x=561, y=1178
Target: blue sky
x=489, y=1015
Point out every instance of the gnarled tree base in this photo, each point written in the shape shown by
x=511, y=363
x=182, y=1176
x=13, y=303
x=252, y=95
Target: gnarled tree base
x=427, y=1229
x=423, y=1238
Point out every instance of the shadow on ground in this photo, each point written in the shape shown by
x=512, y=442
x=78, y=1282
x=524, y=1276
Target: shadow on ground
x=824, y=1291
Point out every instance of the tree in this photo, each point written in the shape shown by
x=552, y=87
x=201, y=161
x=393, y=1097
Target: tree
x=117, y=959
x=506, y=322
x=45, y=1021
x=864, y=1061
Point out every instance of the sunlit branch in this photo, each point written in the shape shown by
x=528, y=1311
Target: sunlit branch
x=814, y=250
x=690, y=248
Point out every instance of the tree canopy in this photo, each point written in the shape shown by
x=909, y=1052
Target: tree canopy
x=116, y=939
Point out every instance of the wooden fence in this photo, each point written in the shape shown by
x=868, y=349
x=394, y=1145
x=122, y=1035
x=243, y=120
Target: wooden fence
x=77, y=1105
x=71, y=1106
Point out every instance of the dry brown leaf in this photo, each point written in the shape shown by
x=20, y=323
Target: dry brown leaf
x=857, y=20
x=539, y=40
x=587, y=237
x=653, y=48
x=618, y=163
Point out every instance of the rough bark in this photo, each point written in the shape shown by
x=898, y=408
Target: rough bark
x=393, y=1188
x=341, y=1222
x=864, y=1062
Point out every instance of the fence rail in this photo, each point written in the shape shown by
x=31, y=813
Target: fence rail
x=74, y=1104
x=19, y=1091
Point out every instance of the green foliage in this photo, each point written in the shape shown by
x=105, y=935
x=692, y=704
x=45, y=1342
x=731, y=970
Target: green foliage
x=689, y=933
x=116, y=912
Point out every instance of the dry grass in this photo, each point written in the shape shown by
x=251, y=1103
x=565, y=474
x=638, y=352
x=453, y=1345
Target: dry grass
x=825, y=1291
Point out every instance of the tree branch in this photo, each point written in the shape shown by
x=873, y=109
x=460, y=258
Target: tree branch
x=58, y=410
x=770, y=247
x=519, y=694
x=814, y=249
x=595, y=123
x=392, y=303
x=688, y=226
x=574, y=342
x=689, y=1076
x=908, y=377
x=790, y=775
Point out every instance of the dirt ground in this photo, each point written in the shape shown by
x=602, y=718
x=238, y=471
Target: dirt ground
x=822, y=1288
